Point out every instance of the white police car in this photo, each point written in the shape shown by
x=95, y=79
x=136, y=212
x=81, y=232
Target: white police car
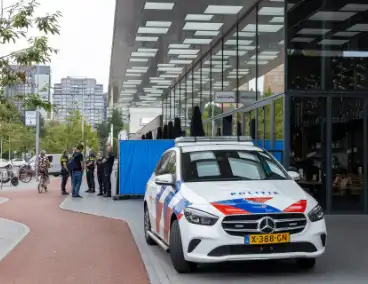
x=223, y=199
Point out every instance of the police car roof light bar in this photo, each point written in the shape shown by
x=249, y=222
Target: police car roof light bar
x=192, y=139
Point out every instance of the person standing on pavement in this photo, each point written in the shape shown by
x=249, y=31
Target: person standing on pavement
x=100, y=173
x=64, y=172
x=90, y=169
x=70, y=156
x=77, y=168
x=109, y=164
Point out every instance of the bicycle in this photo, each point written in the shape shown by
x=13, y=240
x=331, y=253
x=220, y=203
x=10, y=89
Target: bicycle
x=25, y=173
x=42, y=182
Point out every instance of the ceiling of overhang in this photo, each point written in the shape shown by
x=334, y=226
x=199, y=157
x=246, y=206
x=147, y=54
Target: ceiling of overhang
x=336, y=24
x=149, y=36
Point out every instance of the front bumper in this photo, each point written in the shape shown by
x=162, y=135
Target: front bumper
x=209, y=244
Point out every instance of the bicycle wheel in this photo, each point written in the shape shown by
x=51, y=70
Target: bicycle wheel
x=25, y=177
x=39, y=187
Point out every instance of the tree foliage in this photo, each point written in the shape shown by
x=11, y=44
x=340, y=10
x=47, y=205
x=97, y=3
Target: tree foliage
x=211, y=110
x=15, y=23
x=104, y=128
x=63, y=136
x=16, y=20
x=264, y=119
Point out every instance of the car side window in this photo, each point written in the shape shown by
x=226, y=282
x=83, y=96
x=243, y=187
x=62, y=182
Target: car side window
x=172, y=164
x=161, y=167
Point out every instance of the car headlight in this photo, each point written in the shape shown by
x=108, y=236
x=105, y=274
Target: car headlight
x=199, y=217
x=316, y=214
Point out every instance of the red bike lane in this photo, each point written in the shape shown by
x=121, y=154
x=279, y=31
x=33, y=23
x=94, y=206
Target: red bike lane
x=66, y=247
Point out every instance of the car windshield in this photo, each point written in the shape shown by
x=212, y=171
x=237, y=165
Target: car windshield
x=230, y=165
x=32, y=160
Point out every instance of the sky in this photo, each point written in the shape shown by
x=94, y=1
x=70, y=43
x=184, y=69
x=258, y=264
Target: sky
x=85, y=39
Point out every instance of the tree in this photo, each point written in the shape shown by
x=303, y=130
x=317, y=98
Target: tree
x=63, y=136
x=15, y=22
x=264, y=121
x=207, y=113
x=103, y=130
x=116, y=120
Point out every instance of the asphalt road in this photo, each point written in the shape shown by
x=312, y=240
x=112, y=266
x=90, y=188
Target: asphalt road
x=345, y=261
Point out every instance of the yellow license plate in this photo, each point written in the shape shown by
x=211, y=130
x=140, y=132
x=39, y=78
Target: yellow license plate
x=266, y=239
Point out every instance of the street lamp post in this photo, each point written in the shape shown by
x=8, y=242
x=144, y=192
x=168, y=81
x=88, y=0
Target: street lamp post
x=37, y=140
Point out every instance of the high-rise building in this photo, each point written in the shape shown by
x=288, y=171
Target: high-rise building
x=38, y=81
x=83, y=94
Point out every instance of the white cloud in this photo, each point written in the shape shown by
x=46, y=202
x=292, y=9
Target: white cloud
x=85, y=41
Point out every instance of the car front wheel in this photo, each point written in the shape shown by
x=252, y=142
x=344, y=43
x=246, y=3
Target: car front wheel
x=176, y=251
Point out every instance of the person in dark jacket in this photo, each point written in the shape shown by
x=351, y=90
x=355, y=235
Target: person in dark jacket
x=109, y=164
x=90, y=168
x=77, y=170
x=100, y=173
x=64, y=171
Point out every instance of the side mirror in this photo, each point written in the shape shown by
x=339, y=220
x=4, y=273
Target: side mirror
x=166, y=179
x=294, y=175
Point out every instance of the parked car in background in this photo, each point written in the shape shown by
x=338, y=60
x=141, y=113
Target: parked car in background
x=5, y=163
x=17, y=162
x=55, y=164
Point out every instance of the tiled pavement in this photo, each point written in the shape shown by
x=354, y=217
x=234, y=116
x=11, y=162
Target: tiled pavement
x=345, y=261
x=11, y=233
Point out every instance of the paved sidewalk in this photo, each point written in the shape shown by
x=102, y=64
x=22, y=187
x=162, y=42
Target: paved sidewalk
x=65, y=247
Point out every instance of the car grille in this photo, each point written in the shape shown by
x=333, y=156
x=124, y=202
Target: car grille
x=263, y=249
x=240, y=225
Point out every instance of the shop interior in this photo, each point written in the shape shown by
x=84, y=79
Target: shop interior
x=309, y=147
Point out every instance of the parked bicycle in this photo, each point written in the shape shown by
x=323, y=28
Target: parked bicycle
x=25, y=173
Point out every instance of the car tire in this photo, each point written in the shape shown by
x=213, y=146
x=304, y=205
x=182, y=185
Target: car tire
x=147, y=227
x=176, y=251
x=306, y=263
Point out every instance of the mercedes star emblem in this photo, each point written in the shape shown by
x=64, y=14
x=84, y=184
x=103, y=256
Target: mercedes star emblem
x=266, y=225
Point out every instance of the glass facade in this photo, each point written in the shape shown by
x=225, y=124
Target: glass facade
x=326, y=93
x=247, y=61
x=297, y=71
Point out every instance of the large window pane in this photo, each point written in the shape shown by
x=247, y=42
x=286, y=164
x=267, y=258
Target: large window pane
x=308, y=144
x=329, y=40
x=347, y=154
x=270, y=53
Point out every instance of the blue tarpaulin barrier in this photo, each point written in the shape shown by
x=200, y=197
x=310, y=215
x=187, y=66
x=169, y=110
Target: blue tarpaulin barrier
x=277, y=150
x=138, y=159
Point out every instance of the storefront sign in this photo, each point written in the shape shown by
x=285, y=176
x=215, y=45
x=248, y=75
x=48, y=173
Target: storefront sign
x=225, y=97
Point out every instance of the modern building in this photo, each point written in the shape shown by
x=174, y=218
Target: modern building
x=83, y=94
x=38, y=81
x=184, y=53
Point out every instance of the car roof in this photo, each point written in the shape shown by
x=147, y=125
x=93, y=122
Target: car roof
x=210, y=147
